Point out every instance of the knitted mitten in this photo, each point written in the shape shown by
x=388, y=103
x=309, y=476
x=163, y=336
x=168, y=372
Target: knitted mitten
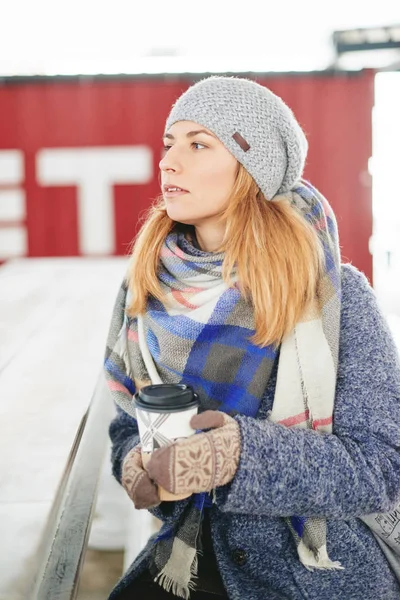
x=135, y=480
x=202, y=461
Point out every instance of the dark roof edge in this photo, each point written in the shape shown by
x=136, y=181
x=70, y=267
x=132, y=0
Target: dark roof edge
x=22, y=79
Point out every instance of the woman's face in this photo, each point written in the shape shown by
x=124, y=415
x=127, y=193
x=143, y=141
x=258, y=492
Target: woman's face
x=197, y=163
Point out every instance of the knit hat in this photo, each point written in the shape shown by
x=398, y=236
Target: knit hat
x=254, y=124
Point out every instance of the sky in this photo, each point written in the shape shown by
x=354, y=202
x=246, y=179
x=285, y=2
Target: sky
x=86, y=36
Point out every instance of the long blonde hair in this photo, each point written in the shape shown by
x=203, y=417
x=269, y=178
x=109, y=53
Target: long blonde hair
x=277, y=255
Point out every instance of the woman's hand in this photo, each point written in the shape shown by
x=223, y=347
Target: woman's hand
x=135, y=480
x=202, y=461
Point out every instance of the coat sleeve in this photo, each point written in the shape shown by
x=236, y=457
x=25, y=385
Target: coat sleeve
x=124, y=436
x=356, y=469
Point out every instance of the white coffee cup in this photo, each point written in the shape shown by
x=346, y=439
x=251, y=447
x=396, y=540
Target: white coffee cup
x=163, y=414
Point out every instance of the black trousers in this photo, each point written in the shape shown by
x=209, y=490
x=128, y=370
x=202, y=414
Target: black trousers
x=143, y=588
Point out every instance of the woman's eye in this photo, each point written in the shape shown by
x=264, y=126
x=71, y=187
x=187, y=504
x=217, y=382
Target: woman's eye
x=196, y=145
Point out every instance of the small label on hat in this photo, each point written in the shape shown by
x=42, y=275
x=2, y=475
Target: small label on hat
x=239, y=139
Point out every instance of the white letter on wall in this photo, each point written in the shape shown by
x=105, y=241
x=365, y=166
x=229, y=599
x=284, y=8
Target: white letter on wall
x=13, y=235
x=94, y=171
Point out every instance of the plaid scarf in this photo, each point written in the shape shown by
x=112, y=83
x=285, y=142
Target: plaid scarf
x=200, y=336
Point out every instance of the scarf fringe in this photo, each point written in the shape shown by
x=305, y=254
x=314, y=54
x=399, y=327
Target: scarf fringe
x=316, y=559
x=170, y=585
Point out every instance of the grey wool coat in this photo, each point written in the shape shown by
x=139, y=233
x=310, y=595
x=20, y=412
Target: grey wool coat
x=351, y=472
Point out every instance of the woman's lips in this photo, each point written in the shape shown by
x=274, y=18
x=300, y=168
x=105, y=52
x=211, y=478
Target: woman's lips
x=174, y=193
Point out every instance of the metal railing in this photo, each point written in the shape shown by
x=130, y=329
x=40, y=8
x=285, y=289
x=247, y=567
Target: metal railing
x=62, y=551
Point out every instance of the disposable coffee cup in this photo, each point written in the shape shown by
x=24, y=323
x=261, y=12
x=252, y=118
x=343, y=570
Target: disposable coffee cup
x=163, y=414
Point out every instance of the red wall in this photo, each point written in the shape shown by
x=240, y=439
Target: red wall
x=35, y=114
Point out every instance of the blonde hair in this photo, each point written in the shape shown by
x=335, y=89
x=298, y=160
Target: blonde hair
x=277, y=255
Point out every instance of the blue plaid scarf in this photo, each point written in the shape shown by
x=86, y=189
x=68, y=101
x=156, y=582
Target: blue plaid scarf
x=200, y=336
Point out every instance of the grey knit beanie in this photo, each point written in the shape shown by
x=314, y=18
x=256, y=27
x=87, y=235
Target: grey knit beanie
x=254, y=124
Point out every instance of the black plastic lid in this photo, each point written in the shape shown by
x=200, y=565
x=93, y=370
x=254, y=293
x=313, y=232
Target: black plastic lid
x=168, y=397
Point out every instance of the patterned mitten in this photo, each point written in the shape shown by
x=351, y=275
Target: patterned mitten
x=138, y=485
x=202, y=461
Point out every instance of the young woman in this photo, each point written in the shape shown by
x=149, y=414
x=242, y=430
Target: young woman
x=237, y=280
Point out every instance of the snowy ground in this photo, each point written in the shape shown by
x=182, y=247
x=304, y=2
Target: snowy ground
x=54, y=317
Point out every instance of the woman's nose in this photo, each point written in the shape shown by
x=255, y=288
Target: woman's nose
x=170, y=161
